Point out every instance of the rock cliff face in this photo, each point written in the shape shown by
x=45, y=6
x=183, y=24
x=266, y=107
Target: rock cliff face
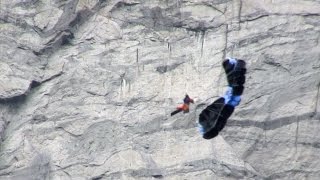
x=86, y=89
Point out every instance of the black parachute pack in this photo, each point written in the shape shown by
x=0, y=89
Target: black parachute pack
x=214, y=117
x=235, y=75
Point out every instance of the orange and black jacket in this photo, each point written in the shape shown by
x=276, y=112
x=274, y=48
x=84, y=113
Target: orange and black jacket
x=183, y=107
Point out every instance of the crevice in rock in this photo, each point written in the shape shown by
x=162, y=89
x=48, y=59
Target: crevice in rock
x=154, y=18
x=68, y=166
x=317, y=100
x=270, y=61
x=18, y=99
x=253, y=39
x=101, y=176
x=239, y=14
x=255, y=97
x=221, y=75
x=296, y=136
x=248, y=41
x=52, y=77
x=193, y=166
x=286, y=174
x=64, y=130
x=65, y=20
x=273, y=124
x=225, y=48
x=200, y=28
x=123, y=84
x=38, y=118
x=66, y=26
x=169, y=49
x=17, y=20
x=87, y=164
x=137, y=60
x=314, y=144
x=3, y=125
x=38, y=169
x=69, y=176
x=202, y=41
x=213, y=7
x=60, y=39
x=155, y=125
x=255, y=17
x=252, y=148
x=97, y=94
x=120, y=4
x=133, y=101
x=14, y=100
x=167, y=68
x=305, y=14
x=236, y=15
x=157, y=176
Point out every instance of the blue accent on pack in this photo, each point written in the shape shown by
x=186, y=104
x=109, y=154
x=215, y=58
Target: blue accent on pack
x=200, y=129
x=232, y=61
x=231, y=99
x=227, y=95
x=234, y=101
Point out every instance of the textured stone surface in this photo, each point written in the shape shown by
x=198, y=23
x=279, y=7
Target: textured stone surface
x=86, y=89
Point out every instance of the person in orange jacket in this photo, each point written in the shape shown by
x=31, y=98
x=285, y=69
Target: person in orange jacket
x=183, y=107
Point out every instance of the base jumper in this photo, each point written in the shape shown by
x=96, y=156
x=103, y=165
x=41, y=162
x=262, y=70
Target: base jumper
x=183, y=107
